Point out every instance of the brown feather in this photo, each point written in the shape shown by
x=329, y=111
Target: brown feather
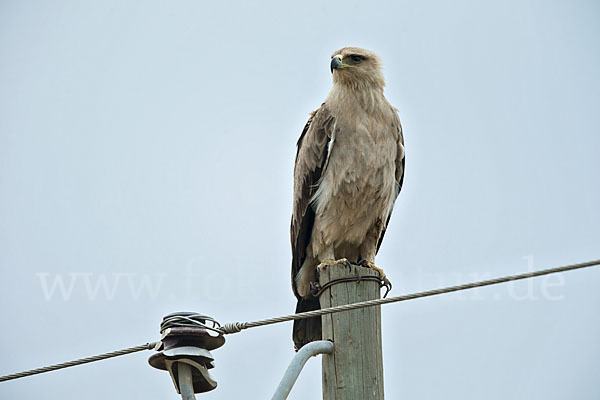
x=400, y=162
x=312, y=149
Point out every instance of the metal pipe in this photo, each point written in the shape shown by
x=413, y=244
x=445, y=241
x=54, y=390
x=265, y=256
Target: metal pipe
x=186, y=386
x=293, y=370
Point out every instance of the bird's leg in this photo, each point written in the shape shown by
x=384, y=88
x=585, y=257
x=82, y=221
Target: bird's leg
x=368, y=249
x=327, y=257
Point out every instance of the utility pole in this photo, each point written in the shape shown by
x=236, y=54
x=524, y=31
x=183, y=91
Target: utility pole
x=355, y=369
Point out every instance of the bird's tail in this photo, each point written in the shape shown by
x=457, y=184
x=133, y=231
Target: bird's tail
x=308, y=329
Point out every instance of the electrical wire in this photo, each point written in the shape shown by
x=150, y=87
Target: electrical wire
x=117, y=353
x=235, y=327
x=200, y=320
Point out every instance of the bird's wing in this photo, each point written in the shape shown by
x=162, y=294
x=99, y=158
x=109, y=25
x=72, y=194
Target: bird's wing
x=312, y=154
x=400, y=159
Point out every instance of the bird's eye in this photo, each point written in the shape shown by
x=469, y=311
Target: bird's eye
x=356, y=59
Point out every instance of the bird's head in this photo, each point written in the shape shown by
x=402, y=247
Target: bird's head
x=356, y=67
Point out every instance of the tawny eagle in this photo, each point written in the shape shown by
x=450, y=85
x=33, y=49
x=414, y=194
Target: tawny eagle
x=348, y=172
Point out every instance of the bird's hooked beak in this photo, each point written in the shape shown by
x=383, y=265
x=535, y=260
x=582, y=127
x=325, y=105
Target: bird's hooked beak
x=336, y=62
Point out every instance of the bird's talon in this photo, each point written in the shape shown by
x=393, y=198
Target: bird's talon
x=387, y=284
x=328, y=263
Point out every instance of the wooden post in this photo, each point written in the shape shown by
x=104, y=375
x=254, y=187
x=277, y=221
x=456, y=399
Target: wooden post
x=355, y=369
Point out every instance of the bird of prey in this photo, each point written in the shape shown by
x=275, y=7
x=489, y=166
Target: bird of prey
x=348, y=172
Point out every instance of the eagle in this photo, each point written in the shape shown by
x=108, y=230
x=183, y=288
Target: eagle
x=348, y=172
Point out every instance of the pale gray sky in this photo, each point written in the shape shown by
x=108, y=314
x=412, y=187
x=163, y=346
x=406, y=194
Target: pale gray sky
x=141, y=142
